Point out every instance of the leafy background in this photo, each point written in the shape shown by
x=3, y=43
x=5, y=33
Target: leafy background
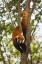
x=8, y=21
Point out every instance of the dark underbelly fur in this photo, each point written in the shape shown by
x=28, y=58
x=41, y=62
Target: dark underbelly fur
x=20, y=47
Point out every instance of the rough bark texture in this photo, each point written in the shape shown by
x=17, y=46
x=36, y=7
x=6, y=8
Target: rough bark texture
x=19, y=23
x=23, y=58
x=25, y=55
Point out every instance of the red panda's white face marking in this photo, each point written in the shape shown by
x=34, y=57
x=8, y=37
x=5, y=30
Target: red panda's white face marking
x=17, y=37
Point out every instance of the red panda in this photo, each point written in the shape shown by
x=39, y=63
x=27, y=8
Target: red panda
x=17, y=37
x=18, y=40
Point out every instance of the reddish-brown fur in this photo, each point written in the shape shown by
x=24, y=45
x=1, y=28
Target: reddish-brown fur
x=24, y=16
x=15, y=33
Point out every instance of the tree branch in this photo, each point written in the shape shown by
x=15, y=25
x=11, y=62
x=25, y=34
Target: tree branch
x=34, y=29
x=34, y=4
x=11, y=20
x=27, y=5
x=19, y=22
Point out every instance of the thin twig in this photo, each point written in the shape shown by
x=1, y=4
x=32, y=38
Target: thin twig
x=34, y=29
x=34, y=4
x=9, y=14
x=4, y=62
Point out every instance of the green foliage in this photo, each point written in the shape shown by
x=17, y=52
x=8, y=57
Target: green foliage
x=35, y=50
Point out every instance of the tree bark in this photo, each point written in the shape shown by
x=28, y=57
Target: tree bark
x=19, y=22
x=23, y=58
x=28, y=35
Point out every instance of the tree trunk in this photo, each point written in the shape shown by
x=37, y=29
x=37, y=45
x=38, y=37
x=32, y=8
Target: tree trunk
x=23, y=58
x=28, y=35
